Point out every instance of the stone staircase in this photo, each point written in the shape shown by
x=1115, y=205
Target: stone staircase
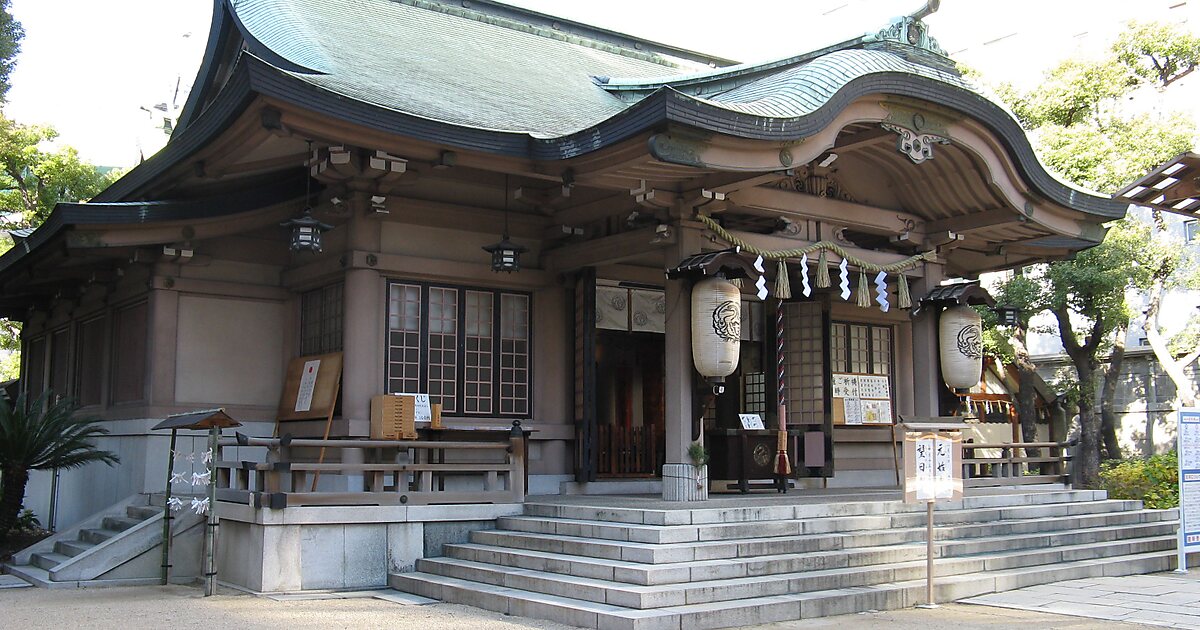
x=118, y=546
x=601, y=565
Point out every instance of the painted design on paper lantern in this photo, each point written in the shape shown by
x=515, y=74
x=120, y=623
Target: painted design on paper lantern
x=727, y=321
x=970, y=341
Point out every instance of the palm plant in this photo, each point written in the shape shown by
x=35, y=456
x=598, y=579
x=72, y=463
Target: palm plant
x=42, y=436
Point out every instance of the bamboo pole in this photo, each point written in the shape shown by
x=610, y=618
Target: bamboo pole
x=166, y=535
x=210, y=532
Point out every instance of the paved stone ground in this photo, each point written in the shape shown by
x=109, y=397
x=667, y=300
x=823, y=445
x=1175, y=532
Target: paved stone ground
x=158, y=607
x=1161, y=599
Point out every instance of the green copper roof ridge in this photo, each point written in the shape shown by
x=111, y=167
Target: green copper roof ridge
x=509, y=23
x=615, y=84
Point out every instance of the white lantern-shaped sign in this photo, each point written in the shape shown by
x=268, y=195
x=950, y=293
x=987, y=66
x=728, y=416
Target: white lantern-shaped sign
x=961, y=347
x=716, y=327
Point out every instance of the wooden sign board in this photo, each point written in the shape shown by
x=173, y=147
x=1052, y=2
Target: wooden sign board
x=393, y=418
x=311, y=387
x=932, y=466
x=751, y=421
x=861, y=399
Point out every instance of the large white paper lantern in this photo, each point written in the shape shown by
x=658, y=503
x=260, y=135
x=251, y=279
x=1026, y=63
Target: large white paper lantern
x=961, y=347
x=716, y=327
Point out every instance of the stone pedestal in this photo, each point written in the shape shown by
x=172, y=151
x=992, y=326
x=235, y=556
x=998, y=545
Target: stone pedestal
x=685, y=482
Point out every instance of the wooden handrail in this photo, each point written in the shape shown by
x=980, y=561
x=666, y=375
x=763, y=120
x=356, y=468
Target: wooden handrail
x=405, y=472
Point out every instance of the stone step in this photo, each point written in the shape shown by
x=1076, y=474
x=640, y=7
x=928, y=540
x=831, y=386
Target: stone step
x=854, y=503
x=690, y=533
x=96, y=536
x=35, y=575
x=778, y=575
x=142, y=512
x=650, y=553
x=47, y=560
x=767, y=609
x=1092, y=535
x=72, y=548
x=119, y=523
x=775, y=557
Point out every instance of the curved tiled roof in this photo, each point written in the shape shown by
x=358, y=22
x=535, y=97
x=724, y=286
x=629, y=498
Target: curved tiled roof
x=274, y=25
x=801, y=90
x=483, y=72
x=524, y=85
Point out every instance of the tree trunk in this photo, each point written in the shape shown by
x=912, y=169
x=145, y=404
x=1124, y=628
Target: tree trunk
x=1109, y=423
x=1089, y=431
x=1087, y=454
x=1185, y=392
x=1026, y=390
x=12, y=497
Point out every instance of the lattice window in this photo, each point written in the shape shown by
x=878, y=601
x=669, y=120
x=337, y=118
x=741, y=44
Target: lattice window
x=443, y=348
x=861, y=348
x=478, y=336
x=881, y=350
x=837, y=347
x=514, y=354
x=467, y=348
x=321, y=320
x=805, y=346
x=404, y=339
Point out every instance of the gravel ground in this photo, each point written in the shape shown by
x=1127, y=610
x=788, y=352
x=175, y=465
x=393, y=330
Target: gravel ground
x=158, y=607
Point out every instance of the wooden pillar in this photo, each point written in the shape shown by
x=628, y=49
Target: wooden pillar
x=164, y=329
x=680, y=388
x=927, y=375
x=678, y=474
x=362, y=332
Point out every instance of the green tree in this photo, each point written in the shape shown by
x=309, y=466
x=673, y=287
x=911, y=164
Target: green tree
x=1157, y=53
x=10, y=44
x=1025, y=293
x=40, y=435
x=1081, y=131
x=1086, y=295
x=1170, y=266
x=33, y=179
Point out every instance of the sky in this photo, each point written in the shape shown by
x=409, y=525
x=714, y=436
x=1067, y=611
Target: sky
x=95, y=70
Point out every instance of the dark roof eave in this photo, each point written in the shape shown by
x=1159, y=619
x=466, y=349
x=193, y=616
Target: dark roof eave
x=254, y=76
x=206, y=75
x=66, y=215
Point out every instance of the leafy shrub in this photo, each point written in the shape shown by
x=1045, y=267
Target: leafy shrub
x=1154, y=481
x=27, y=521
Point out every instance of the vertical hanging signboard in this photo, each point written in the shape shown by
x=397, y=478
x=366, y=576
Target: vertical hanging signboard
x=932, y=472
x=1188, y=452
x=932, y=466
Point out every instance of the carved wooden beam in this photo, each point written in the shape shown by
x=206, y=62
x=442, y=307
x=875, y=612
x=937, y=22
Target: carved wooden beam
x=852, y=215
x=607, y=250
x=974, y=221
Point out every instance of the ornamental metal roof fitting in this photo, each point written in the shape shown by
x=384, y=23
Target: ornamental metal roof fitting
x=968, y=293
x=199, y=420
x=727, y=263
x=1173, y=187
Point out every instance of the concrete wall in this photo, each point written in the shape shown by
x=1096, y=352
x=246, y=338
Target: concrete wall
x=143, y=469
x=309, y=548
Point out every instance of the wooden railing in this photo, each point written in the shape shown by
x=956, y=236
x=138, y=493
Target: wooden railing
x=394, y=472
x=1008, y=463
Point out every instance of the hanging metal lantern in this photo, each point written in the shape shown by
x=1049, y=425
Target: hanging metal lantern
x=960, y=341
x=506, y=255
x=306, y=232
x=716, y=328
x=1008, y=315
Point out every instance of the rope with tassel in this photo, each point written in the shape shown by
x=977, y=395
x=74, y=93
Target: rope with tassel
x=783, y=467
x=783, y=288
